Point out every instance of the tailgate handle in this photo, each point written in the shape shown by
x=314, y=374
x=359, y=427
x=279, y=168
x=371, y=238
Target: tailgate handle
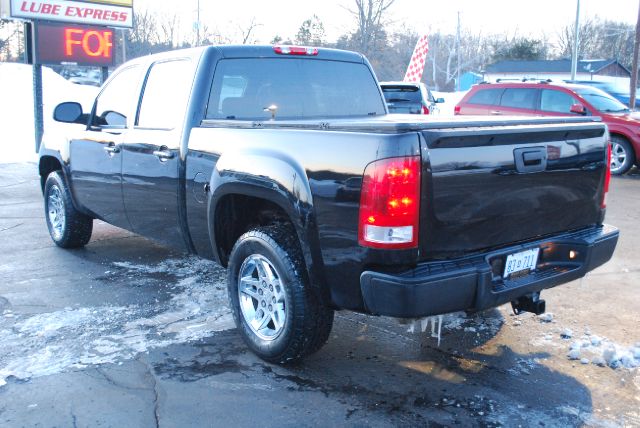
x=530, y=159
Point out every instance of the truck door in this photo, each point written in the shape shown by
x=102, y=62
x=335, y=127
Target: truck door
x=96, y=153
x=152, y=175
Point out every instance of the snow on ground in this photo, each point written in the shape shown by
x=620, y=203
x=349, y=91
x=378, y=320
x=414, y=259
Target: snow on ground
x=587, y=347
x=16, y=107
x=450, y=101
x=73, y=338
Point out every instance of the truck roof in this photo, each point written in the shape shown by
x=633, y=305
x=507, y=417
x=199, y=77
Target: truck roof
x=252, y=51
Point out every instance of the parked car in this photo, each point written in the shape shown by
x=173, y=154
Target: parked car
x=617, y=91
x=409, y=97
x=560, y=99
x=233, y=152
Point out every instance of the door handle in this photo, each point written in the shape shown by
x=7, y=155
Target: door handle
x=495, y=112
x=111, y=149
x=163, y=154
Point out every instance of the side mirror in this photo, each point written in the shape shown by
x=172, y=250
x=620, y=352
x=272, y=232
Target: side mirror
x=69, y=112
x=439, y=100
x=578, y=109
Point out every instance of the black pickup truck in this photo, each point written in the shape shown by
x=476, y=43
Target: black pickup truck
x=282, y=164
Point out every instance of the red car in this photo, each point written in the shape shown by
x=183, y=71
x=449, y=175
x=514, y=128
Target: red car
x=559, y=99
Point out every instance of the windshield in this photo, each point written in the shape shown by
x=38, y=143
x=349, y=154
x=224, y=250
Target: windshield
x=602, y=101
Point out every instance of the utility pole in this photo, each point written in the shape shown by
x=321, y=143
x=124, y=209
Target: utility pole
x=198, y=25
x=574, y=57
x=634, y=68
x=458, y=52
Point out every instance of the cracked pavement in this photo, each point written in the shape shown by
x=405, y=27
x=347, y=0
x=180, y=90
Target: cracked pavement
x=127, y=333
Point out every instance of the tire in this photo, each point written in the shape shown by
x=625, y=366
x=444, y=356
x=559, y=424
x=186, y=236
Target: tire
x=279, y=315
x=68, y=228
x=622, y=156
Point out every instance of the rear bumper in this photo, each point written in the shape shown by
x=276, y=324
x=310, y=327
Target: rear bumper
x=475, y=283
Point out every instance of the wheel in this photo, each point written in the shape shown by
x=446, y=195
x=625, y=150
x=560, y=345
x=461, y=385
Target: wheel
x=622, y=156
x=68, y=227
x=279, y=315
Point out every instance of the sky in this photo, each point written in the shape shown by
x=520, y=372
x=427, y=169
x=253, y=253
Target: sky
x=284, y=17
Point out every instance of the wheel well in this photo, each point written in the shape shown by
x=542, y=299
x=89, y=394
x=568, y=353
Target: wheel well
x=48, y=164
x=237, y=214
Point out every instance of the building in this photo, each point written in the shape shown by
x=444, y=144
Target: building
x=609, y=70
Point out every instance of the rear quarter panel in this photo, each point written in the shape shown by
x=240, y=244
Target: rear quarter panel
x=311, y=174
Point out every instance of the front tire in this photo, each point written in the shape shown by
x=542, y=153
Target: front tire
x=622, y=156
x=68, y=227
x=279, y=315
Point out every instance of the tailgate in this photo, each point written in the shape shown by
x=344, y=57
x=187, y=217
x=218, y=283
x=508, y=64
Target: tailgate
x=487, y=187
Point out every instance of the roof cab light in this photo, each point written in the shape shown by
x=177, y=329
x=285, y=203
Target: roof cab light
x=390, y=203
x=295, y=50
x=607, y=178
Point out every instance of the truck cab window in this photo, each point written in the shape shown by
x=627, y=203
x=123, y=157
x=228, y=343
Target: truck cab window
x=248, y=89
x=111, y=106
x=165, y=95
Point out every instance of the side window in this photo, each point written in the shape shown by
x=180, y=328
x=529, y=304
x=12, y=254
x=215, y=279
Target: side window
x=519, y=98
x=556, y=101
x=115, y=99
x=165, y=95
x=486, y=96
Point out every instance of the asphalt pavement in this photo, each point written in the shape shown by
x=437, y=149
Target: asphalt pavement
x=128, y=333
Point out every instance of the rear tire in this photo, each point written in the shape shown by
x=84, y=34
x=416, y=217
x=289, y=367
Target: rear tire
x=278, y=313
x=68, y=227
x=622, y=155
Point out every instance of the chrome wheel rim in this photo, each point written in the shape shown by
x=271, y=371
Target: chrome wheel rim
x=55, y=210
x=618, y=156
x=262, y=298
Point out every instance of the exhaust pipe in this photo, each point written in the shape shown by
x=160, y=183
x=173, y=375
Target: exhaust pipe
x=529, y=303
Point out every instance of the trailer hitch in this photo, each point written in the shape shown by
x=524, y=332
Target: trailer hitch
x=529, y=303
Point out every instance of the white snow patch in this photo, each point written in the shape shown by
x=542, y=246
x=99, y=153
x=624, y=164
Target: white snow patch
x=450, y=101
x=68, y=339
x=16, y=107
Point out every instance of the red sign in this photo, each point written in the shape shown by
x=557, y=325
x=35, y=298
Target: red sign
x=74, y=44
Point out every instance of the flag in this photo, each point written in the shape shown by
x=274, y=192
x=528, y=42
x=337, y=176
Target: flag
x=418, y=59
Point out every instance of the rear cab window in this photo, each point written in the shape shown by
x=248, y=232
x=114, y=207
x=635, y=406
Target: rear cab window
x=251, y=88
x=394, y=94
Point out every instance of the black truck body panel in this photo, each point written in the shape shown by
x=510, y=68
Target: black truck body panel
x=488, y=188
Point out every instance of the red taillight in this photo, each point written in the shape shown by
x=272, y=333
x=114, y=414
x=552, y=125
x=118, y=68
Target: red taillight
x=456, y=110
x=607, y=178
x=425, y=110
x=390, y=203
x=295, y=50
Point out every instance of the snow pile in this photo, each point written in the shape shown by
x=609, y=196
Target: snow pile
x=16, y=107
x=589, y=348
x=74, y=338
x=603, y=352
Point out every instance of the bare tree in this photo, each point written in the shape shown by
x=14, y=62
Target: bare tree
x=169, y=27
x=10, y=37
x=370, y=18
x=246, y=31
x=599, y=39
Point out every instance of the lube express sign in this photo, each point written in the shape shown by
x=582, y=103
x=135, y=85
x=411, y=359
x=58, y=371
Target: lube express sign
x=112, y=13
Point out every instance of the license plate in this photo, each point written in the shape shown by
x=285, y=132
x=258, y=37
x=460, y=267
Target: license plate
x=524, y=260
